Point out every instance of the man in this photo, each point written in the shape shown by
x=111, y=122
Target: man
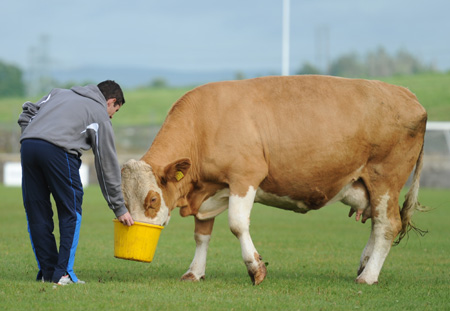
x=55, y=132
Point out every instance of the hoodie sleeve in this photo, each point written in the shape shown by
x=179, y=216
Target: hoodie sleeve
x=101, y=137
x=30, y=110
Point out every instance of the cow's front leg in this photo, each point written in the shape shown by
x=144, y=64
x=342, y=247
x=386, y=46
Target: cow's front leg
x=239, y=220
x=203, y=229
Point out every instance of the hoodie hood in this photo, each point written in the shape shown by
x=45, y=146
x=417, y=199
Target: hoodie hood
x=90, y=91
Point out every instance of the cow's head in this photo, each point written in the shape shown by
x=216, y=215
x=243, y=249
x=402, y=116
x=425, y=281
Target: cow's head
x=151, y=193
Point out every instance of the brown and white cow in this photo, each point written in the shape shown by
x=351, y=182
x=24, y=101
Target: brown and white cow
x=296, y=143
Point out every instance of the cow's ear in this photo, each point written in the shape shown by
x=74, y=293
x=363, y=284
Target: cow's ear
x=177, y=170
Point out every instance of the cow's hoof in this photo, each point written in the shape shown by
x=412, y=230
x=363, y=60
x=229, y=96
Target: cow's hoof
x=259, y=275
x=362, y=280
x=189, y=276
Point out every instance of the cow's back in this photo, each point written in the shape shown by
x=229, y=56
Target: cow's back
x=315, y=106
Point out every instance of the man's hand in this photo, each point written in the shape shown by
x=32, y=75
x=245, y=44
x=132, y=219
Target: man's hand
x=126, y=219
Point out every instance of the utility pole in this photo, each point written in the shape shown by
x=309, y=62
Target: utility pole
x=285, y=39
x=39, y=79
x=323, y=48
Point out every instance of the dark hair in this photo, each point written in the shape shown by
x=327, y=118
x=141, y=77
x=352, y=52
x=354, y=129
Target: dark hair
x=111, y=89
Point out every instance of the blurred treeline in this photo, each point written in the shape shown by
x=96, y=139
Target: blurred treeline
x=375, y=64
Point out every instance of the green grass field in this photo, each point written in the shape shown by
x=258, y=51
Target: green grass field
x=312, y=259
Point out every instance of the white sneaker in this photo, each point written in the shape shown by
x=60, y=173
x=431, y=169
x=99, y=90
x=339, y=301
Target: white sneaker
x=65, y=280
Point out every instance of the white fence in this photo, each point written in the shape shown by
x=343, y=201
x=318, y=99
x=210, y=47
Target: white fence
x=438, y=137
x=12, y=174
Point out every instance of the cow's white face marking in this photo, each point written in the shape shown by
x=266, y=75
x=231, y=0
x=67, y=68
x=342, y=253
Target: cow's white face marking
x=139, y=186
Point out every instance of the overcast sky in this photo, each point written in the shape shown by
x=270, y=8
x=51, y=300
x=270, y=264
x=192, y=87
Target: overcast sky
x=211, y=35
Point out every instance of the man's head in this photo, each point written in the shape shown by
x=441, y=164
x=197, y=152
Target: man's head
x=113, y=95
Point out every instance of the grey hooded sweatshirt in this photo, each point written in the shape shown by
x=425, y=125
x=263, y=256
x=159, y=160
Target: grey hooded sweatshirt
x=77, y=120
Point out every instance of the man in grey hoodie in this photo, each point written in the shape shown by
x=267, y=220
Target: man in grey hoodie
x=55, y=132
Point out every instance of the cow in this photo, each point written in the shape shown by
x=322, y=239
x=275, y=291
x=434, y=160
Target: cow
x=297, y=143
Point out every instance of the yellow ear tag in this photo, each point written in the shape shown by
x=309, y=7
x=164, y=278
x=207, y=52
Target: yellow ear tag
x=179, y=175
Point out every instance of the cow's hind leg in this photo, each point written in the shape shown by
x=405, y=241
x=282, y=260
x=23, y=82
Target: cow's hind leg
x=203, y=229
x=366, y=252
x=239, y=220
x=357, y=197
x=386, y=224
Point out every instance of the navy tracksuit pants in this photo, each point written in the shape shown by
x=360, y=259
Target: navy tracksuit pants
x=48, y=169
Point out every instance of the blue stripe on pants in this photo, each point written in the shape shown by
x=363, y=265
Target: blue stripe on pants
x=32, y=245
x=73, y=249
x=49, y=169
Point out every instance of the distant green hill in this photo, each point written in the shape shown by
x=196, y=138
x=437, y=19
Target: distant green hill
x=150, y=106
x=432, y=90
x=147, y=106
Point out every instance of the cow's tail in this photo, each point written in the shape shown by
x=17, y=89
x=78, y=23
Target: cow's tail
x=411, y=203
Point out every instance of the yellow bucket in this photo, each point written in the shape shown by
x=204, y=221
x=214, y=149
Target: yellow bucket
x=137, y=242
